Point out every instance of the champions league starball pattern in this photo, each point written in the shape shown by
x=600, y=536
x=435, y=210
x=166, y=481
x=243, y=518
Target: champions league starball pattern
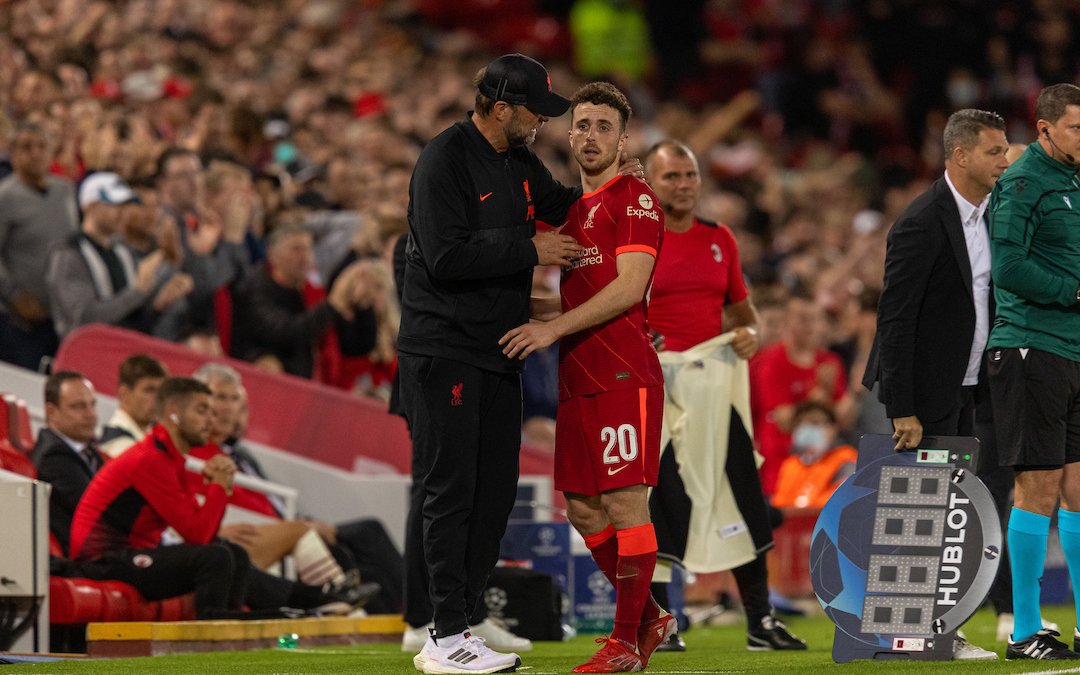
x=905, y=550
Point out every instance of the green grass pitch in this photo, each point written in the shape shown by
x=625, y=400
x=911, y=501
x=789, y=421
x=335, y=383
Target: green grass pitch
x=709, y=650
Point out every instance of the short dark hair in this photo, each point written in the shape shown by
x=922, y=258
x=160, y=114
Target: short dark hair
x=483, y=105
x=1053, y=101
x=167, y=156
x=810, y=406
x=139, y=367
x=962, y=129
x=57, y=380
x=603, y=93
x=677, y=148
x=178, y=389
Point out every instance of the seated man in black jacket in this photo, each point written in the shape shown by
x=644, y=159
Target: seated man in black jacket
x=65, y=454
x=281, y=319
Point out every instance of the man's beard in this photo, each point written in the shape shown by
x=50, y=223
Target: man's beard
x=517, y=136
x=193, y=437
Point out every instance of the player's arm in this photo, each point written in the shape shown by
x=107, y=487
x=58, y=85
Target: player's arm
x=744, y=320
x=742, y=316
x=627, y=289
x=1013, y=221
x=163, y=491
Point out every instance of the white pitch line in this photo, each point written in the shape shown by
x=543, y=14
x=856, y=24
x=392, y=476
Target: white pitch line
x=1056, y=672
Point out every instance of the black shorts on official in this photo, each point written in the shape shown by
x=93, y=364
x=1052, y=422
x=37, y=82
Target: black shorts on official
x=1036, y=399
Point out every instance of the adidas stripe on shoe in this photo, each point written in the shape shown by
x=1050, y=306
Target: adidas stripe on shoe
x=463, y=653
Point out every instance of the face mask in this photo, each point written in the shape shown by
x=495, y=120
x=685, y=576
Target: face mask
x=809, y=441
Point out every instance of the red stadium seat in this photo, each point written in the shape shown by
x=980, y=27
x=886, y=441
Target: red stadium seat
x=23, y=433
x=79, y=601
x=14, y=461
x=15, y=423
x=74, y=601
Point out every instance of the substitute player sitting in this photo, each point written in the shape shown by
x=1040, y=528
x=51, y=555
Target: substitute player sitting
x=611, y=395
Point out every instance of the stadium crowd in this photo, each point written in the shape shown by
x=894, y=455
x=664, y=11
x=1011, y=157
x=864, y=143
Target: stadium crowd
x=235, y=174
x=229, y=120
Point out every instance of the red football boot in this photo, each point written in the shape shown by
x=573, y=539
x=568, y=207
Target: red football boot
x=654, y=633
x=614, y=657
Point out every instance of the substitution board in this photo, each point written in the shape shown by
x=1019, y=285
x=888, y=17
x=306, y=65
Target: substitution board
x=905, y=551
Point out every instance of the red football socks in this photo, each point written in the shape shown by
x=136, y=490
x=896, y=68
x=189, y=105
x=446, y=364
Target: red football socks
x=627, y=558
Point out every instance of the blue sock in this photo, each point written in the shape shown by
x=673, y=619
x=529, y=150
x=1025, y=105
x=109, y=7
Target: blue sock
x=1069, y=531
x=1027, y=553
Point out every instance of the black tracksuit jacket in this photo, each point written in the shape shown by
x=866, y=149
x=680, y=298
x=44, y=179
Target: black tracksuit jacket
x=469, y=259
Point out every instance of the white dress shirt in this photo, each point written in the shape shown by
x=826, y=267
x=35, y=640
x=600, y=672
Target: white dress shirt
x=978, y=246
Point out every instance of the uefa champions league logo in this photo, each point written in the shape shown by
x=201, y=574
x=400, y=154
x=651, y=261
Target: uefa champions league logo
x=495, y=599
x=547, y=547
x=600, y=586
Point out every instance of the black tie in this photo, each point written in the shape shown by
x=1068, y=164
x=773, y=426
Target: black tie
x=92, y=457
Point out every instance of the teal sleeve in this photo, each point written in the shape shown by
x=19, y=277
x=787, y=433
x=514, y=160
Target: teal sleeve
x=1013, y=221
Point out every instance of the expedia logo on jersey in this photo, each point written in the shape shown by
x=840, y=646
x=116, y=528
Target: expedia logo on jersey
x=919, y=551
x=590, y=256
x=646, y=210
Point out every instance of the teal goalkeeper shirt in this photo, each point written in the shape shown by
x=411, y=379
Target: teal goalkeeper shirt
x=1035, y=244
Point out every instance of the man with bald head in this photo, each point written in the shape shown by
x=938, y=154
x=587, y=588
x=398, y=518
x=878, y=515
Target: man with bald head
x=698, y=281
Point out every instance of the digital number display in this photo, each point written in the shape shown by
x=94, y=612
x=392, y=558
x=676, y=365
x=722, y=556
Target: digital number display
x=914, y=486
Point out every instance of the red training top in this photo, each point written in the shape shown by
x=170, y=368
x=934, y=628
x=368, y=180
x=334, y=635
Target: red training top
x=620, y=217
x=134, y=497
x=698, y=274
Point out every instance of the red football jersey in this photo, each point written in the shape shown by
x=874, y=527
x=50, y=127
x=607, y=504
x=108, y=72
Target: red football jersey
x=698, y=275
x=620, y=217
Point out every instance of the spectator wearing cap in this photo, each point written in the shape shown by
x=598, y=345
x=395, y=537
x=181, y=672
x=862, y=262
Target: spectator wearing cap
x=36, y=211
x=92, y=277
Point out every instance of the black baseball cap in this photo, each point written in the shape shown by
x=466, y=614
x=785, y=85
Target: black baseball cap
x=519, y=80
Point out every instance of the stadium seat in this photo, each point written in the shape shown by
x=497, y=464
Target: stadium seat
x=23, y=433
x=82, y=601
x=15, y=418
x=14, y=461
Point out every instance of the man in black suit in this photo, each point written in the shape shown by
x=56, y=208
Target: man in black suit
x=65, y=454
x=935, y=311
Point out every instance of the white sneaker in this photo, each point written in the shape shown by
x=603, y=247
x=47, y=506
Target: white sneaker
x=498, y=637
x=464, y=653
x=421, y=659
x=965, y=651
x=414, y=639
x=1005, y=626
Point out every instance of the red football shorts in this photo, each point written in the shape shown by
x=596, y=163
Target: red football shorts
x=608, y=440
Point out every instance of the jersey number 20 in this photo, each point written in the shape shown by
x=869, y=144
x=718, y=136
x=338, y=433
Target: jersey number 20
x=625, y=437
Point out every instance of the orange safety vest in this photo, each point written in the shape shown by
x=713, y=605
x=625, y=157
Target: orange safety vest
x=811, y=486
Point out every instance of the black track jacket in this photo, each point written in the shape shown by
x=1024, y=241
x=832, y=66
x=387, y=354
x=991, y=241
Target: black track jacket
x=469, y=260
